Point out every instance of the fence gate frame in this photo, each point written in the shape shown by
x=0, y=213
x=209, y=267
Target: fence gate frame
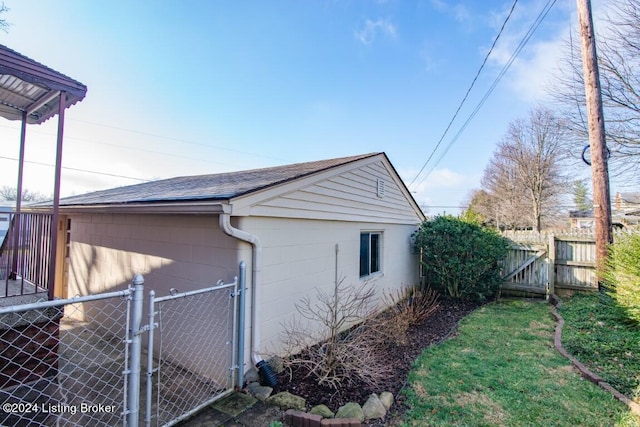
x=528, y=269
x=154, y=304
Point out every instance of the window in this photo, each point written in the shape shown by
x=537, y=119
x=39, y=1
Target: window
x=369, y=253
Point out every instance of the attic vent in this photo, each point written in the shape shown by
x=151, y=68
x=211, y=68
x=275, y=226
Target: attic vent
x=380, y=187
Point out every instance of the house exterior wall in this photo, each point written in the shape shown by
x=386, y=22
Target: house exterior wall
x=185, y=252
x=299, y=257
x=309, y=231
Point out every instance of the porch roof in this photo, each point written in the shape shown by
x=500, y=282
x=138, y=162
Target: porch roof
x=28, y=86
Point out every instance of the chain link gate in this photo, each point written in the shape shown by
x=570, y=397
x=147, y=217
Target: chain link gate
x=66, y=362
x=191, y=357
x=78, y=361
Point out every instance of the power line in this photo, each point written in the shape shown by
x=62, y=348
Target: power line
x=534, y=26
x=78, y=170
x=468, y=91
x=172, y=138
x=126, y=147
x=157, y=152
x=154, y=151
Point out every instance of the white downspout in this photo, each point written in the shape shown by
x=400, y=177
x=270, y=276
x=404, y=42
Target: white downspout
x=256, y=263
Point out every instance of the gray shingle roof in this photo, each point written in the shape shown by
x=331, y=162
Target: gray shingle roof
x=632, y=198
x=221, y=186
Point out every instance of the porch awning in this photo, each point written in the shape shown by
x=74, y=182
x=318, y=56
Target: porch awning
x=28, y=86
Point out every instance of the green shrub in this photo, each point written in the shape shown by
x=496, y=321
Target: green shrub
x=461, y=258
x=622, y=276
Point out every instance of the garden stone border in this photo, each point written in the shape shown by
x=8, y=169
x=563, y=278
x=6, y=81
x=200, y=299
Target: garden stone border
x=584, y=371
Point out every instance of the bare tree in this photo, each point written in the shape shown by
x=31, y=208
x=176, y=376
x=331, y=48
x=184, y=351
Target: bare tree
x=504, y=196
x=618, y=59
x=525, y=176
x=4, y=24
x=10, y=194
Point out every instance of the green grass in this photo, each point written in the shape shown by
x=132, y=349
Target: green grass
x=502, y=370
x=599, y=334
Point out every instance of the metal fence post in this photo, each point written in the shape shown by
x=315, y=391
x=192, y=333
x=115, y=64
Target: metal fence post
x=133, y=407
x=150, y=370
x=241, y=314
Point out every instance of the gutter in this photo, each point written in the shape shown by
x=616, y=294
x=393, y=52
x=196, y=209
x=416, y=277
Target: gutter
x=256, y=263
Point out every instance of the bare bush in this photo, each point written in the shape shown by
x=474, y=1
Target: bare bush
x=408, y=306
x=334, y=344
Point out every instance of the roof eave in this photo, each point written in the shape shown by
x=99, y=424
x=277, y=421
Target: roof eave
x=182, y=207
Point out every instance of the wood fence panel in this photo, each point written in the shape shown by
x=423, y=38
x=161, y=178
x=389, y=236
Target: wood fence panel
x=571, y=259
x=575, y=264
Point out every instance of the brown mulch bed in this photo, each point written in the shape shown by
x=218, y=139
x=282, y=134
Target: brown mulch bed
x=398, y=360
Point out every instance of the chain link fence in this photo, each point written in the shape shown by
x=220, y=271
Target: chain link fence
x=194, y=346
x=78, y=362
x=64, y=362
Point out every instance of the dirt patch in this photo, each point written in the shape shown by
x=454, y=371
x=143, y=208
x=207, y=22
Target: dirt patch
x=540, y=329
x=492, y=413
x=397, y=361
x=559, y=374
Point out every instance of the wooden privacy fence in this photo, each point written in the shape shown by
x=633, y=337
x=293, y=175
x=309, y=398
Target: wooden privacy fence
x=543, y=263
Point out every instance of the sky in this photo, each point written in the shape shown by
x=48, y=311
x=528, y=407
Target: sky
x=198, y=87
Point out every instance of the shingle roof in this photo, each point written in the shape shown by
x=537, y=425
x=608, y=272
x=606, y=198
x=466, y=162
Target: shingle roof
x=632, y=198
x=221, y=186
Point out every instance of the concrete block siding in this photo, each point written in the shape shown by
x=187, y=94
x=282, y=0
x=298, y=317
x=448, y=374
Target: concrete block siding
x=185, y=252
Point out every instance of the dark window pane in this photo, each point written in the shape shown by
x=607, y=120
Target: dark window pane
x=375, y=253
x=364, y=254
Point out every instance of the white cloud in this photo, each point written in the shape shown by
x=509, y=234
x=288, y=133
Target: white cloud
x=459, y=11
x=532, y=75
x=462, y=14
x=368, y=32
x=533, y=68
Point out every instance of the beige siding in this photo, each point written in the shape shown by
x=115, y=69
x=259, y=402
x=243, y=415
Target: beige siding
x=300, y=256
x=173, y=251
x=348, y=196
x=184, y=252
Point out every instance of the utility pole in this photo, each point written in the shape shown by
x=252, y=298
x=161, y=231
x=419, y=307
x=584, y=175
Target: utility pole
x=597, y=143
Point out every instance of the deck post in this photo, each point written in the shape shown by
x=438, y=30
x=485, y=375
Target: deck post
x=16, y=219
x=53, y=240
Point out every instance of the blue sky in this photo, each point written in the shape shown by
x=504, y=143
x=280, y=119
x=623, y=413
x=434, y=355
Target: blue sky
x=195, y=87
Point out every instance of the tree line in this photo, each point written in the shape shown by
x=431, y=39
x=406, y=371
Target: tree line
x=531, y=173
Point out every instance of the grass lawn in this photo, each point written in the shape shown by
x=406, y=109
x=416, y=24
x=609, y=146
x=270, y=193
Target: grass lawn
x=502, y=370
x=600, y=335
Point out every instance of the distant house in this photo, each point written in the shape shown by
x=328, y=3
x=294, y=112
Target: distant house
x=6, y=209
x=625, y=212
x=582, y=219
x=627, y=202
x=627, y=208
x=298, y=227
